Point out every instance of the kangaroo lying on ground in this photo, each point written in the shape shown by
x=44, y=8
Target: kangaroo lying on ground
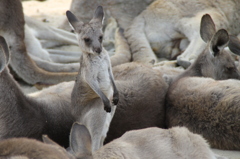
x=163, y=25
x=24, y=116
x=24, y=148
x=38, y=33
x=124, y=12
x=149, y=143
x=13, y=31
x=206, y=106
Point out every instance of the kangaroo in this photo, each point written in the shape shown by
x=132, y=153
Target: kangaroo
x=45, y=32
x=123, y=12
x=36, y=31
x=177, y=142
x=94, y=87
x=43, y=58
x=142, y=91
x=24, y=148
x=13, y=31
x=204, y=105
x=162, y=26
x=122, y=54
x=24, y=116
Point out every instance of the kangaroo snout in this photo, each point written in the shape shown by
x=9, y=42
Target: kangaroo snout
x=98, y=50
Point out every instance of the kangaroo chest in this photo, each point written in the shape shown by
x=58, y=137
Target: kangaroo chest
x=97, y=72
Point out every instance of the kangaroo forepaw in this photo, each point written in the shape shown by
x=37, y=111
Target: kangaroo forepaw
x=115, y=100
x=107, y=109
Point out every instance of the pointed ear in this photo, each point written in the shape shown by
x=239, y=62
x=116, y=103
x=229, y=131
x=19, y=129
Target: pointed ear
x=74, y=22
x=234, y=45
x=80, y=140
x=219, y=42
x=47, y=140
x=4, y=54
x=99, y=14
x=207, y=28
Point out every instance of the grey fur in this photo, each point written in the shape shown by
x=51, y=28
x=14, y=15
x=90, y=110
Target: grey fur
x=123, y=12
x=24, y=148
x=142, y=93
x=151, y=143
x=94, y=88
x=204, y=105
x=155, y=30
x=25, y=116
x=13, y=31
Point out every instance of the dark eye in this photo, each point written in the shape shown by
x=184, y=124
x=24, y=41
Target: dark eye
x=100, y=38
x=87, y=40
x=230, y=68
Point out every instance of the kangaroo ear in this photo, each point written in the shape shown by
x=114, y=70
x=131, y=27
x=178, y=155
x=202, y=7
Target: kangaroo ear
x=47, y=140
x=207, y=28
x=99, y=14
x=234, y=45
x=219, y=42
x=80, y=140
x=73, y=21
x=4, y=54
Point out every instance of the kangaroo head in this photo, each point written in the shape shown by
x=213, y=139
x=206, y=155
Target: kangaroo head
x=89, y=35
x=215, y=61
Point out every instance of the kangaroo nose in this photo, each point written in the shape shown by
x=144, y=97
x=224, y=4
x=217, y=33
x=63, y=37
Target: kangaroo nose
x=98, y=50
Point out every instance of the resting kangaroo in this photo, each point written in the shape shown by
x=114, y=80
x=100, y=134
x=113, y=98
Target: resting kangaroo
x=25, y=116
x=94, y=88
x=123, y=12
x=36, y=31
x=149, y=143
x=24, y=148
x=13, y=31
x=204, y=105
x=163, y=25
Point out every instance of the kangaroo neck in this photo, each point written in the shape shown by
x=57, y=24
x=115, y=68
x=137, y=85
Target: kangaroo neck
x=11, y=91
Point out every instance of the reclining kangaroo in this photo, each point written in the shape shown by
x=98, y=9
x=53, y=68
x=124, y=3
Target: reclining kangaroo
x=25, y=116
x=164, y=25
x=24, y=148
x=39, y=34
x=123, y=12
x=204, y=105
x=151, y=143
x=13, y=31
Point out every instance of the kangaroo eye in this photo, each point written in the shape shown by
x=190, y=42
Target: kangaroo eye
x=230, y=68
x=100, y=38
x=87, y=40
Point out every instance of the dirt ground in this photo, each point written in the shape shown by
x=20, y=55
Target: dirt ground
x=51, y=11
